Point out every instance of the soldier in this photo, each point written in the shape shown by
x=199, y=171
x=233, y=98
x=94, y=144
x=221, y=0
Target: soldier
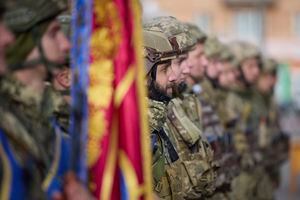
x=272, y=141
x=213, y=129
x=56, y=101
x=164, y=41
x=184, y=126
x=248, y=184
x=39, y=157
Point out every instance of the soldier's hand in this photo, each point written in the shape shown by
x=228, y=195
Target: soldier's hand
x=74, y=190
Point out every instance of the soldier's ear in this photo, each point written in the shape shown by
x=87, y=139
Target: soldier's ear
x=64, y=78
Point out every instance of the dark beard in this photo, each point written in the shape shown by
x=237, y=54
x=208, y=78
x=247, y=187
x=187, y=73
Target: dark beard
x=156, y=93
x=179, y=89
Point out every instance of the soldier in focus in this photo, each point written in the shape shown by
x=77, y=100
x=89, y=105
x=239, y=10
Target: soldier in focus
x=163, y=43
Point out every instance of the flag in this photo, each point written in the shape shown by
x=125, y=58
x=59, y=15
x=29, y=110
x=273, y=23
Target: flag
x=114, y=122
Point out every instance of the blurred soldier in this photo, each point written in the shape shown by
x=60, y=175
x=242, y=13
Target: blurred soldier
x=40, y=153
x=57, y=99
x=240, y=103
x=213, y=129
x=23, y=125
x=164, y=42
x=272, y=141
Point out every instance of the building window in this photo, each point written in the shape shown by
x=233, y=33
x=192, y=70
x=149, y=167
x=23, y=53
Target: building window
x=248, y=25
x=204, y=21
x=297, y=24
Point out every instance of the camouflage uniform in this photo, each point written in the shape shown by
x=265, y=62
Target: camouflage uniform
x=26, y=140
x=214, y=94
x=186, y=130
x=55, y=107
x=164, y=39
x=273, y=143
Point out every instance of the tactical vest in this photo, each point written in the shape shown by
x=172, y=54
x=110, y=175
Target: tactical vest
x=166, y=168
x=195, y=152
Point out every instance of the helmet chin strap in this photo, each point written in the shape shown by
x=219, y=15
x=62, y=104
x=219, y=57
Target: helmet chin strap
x=50, y=65
x=66, y=92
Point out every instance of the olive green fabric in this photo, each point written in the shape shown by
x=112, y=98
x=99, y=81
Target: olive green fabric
x=23, y=15
x=23, y=45
x=196, y=32
x=156, y=115
x=165, y=38
x=185, y=129
x=29, y=133
x=170, y=27
x=167, y=176
x=243, y=51
x=213, y=48
x=54, y=106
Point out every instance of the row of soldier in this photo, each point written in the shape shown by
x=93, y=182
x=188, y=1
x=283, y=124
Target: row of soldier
x=213, y=124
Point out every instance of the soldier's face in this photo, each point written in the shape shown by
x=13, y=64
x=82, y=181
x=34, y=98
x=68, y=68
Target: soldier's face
x=250, y=70
x=266, y=83
x=181, y=68
x=227, y=75
x=197, y=61
x=55, y=45
x=6, y=38
x=165, y=78
x=213, y=69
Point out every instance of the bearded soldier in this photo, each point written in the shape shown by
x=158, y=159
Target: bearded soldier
x=165, y=40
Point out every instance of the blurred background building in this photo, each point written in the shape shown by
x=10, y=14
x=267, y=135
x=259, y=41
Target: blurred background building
x=273, y=25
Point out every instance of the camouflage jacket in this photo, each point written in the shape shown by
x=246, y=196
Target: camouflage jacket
x=28, y=132
x=185, y=128
x=166, y=170
x=54, y=106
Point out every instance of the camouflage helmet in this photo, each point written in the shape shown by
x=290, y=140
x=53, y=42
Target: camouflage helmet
x=225, y=53
x=269, y=65
x=29, y=20
x=164, y=39
x=212, y=48
x=243, y=51
x=25, y=14
x=196, y=32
